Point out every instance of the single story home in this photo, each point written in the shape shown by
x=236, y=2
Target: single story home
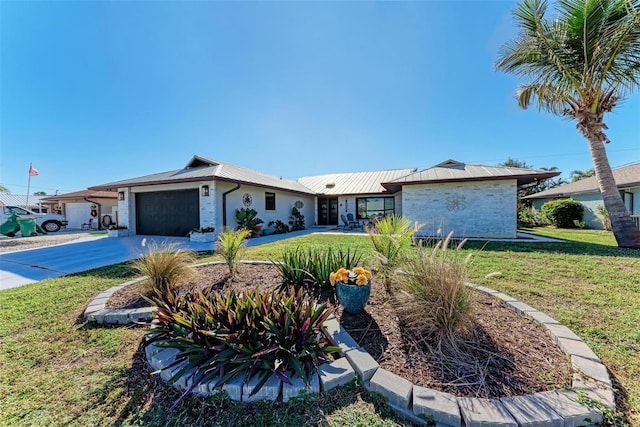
x=587, y=192
x=97, y=208
x=471, y=200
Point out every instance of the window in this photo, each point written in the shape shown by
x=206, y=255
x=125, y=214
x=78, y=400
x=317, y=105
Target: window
x=9, y=210
x=367, y=206
x=270, y=201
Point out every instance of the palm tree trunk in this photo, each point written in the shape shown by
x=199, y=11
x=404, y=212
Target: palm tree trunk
x=625, y=231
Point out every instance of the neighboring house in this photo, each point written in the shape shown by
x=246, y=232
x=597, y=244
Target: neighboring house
x=471, y=200
x=35, y=203
x=81, y=206
x=587, y=192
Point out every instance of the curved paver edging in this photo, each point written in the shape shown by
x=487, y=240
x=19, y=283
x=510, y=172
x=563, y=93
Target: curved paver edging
x=553, y=408
x=97, y=312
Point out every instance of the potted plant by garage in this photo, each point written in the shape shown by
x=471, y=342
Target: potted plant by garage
x=353, y=288
x=203, y=234
x=117, y=231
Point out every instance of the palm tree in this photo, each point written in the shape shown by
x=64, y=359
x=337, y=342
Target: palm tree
x=4, y=189
x=577, y=175
x=580, y=64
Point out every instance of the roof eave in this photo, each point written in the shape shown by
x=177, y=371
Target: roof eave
x=114, y=187
x=521, y=179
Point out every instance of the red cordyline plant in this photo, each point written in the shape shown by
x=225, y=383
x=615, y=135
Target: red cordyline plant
x=221, y=335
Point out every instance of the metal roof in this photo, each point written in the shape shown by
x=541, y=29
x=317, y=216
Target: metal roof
x=454, y=171
x=625, y=176
x=203, y=169
x=81, y=194
x=353, y=182
x=7, y=199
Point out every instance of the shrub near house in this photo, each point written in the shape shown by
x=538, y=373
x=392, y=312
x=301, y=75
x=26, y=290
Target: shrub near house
x=563, y=213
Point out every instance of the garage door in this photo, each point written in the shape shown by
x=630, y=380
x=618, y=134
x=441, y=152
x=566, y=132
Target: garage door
x=167, y=213
x=77, y=214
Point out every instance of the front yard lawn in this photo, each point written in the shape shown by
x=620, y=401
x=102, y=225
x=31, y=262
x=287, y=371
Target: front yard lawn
x=57, y=370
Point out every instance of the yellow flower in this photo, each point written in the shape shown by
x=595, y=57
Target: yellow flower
x=362, y=280
x=358, y=276
x=342, y=275
x=360, y=270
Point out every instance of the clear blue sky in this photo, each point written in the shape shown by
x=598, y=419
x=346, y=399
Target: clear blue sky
x=94, y=92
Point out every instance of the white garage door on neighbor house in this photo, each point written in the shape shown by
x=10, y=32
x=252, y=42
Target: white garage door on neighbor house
x=78, y=214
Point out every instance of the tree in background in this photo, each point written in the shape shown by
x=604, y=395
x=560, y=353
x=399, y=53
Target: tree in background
x=4, y=189
x=580, y=64
x=578, y=175
x=40, y=193
x=534, y=187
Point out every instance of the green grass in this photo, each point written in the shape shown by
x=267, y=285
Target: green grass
x=57, y=370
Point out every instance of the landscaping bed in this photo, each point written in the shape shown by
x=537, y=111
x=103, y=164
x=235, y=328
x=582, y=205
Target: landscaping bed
x=505, y=355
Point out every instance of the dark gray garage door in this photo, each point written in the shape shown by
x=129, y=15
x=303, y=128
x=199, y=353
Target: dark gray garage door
x=167, y=213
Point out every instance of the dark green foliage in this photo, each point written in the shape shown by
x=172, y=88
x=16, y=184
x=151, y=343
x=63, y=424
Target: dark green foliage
x=247, y=218
x=528, y=217
x=311, y=268
x=298, y=219
x=279, y=227
x=221, y=335
x=203, y=230
x=563, y=212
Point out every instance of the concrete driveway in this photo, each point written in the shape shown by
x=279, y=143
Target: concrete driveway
x=32, y=265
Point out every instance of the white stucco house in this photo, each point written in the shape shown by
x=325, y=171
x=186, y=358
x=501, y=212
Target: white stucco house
x=97, y=209
x=471, y=200
x=587, y=192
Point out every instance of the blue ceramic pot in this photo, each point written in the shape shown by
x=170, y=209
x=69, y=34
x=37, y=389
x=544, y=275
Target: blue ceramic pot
x=353, y=298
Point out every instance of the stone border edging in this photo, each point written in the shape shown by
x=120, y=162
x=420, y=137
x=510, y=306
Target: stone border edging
x=553, y=408
x=97, y=312
x=550, y=408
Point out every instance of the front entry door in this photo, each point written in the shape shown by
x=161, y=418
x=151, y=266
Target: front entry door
x=327, y=211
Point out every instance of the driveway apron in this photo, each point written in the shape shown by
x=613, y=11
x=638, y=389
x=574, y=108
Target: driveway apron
x=29, y=266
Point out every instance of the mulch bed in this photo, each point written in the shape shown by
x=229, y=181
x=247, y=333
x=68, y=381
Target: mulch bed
x=505, y=354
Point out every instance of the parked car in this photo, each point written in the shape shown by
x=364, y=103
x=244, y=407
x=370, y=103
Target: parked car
x=49, y=222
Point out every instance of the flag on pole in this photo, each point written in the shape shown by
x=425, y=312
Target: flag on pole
x=33, y=171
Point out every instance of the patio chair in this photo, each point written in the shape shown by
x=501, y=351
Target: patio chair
x=86, y=225
x=352, y=220
x=345, y=222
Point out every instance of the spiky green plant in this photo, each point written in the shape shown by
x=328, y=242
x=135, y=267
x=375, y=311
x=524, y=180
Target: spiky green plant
x=164, y=264
x=310, y=268
x=390, y=236
x=229, y=245
x=433, y=302
x=221, y=335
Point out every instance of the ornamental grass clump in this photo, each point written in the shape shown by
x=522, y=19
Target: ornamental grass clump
x=164, y=265
x=221, y=335
x=310, y=269
x=433, y=302
x=229, y=245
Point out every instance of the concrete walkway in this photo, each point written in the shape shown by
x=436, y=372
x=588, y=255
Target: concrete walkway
x=33, y=265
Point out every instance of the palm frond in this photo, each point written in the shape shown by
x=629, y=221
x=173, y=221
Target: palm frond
x=589, y=53
x=548, y=97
